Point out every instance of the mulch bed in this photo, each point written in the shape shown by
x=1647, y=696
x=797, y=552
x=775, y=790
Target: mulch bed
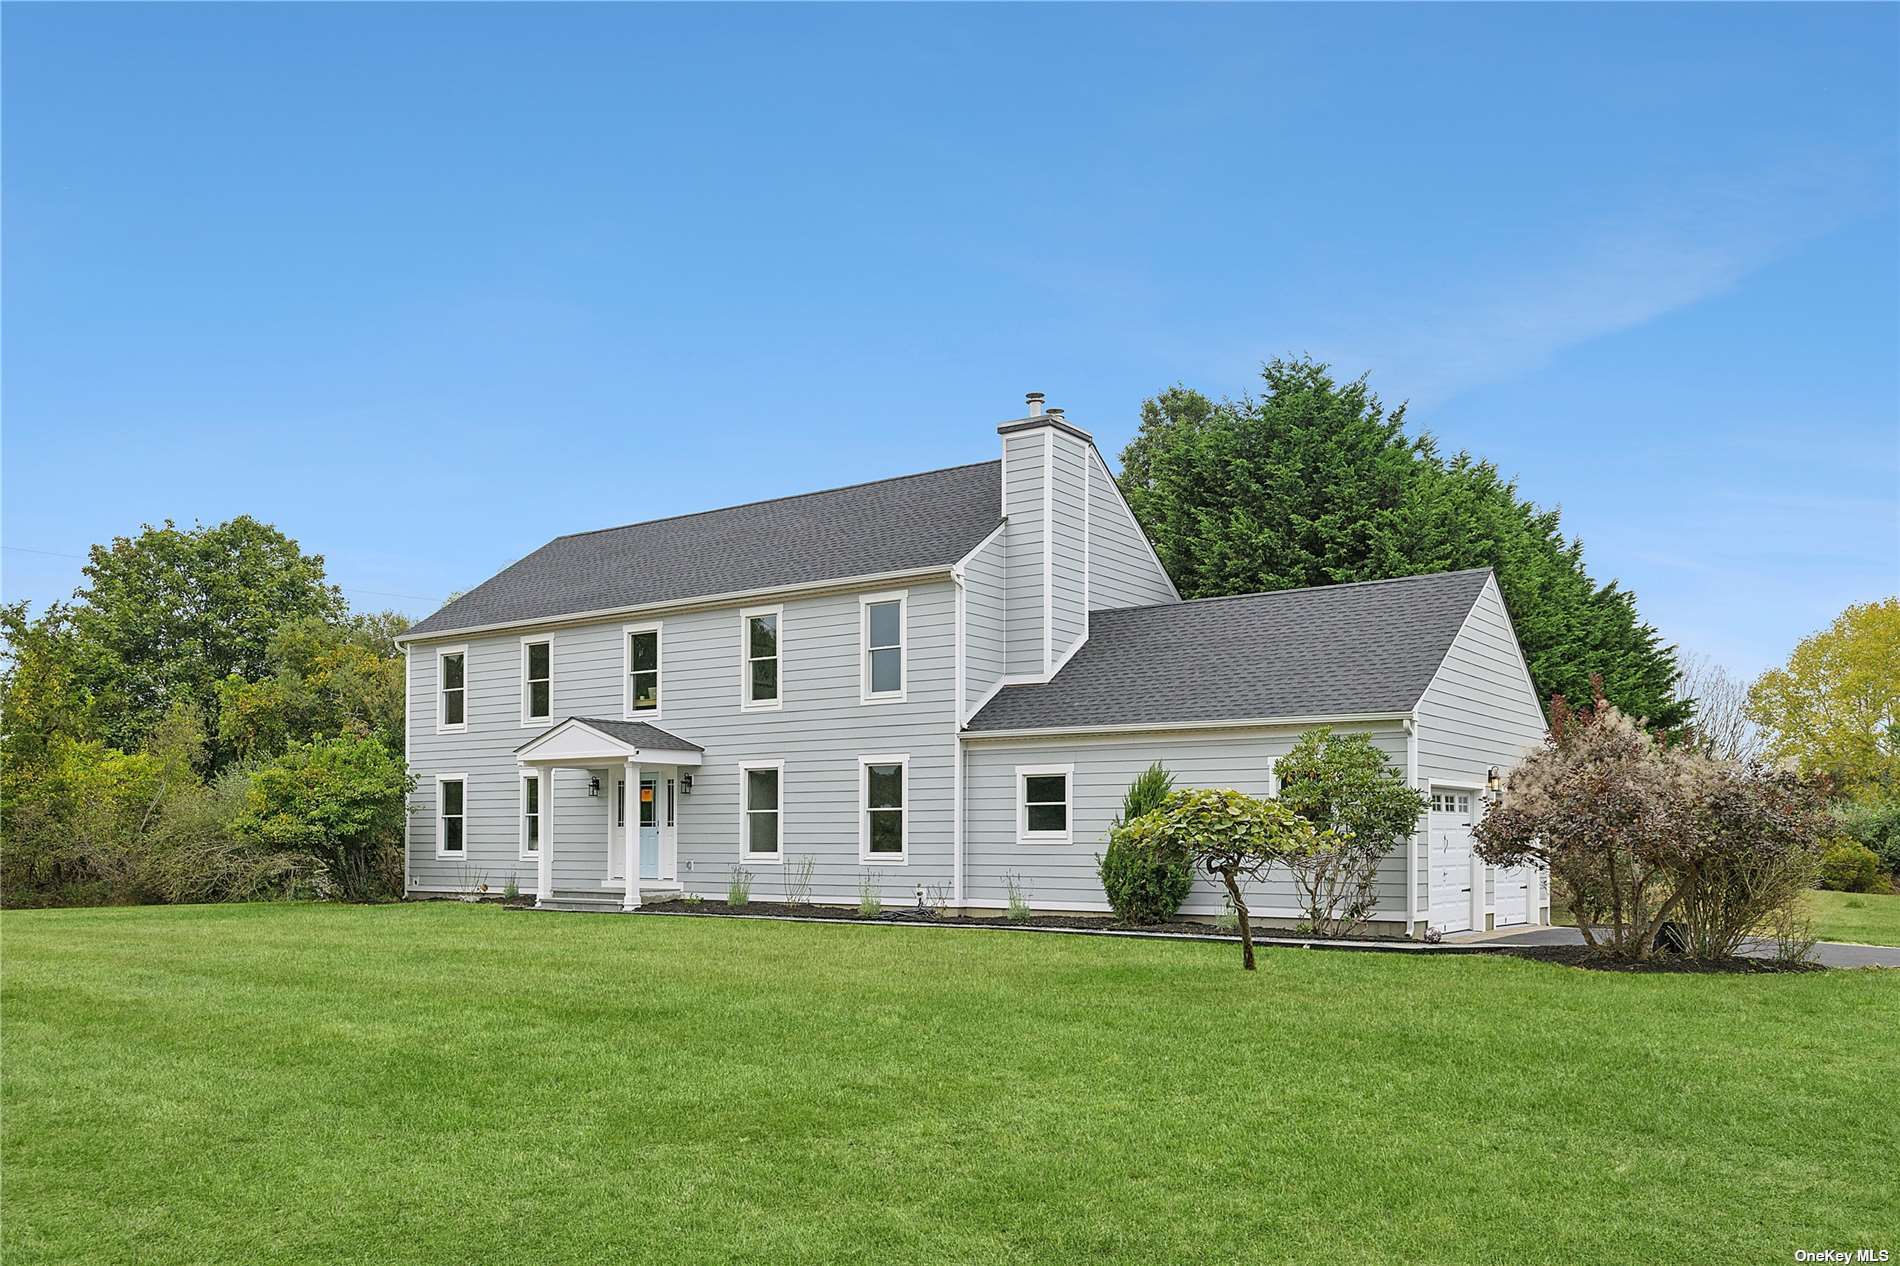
x=1581, y=956
x=909, y=914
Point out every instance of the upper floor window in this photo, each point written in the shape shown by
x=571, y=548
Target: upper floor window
x=537, y=681
x=643, y=669
x=1043, y=803
x=883, y=639
x=451, y=675
x=759, y=660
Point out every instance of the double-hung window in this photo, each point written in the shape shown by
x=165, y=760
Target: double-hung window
x=643, y=670
x=759, y=657
x=451, y=689
x=530, y=816
x=884, y=816
x=882, y=631
x=451, y=815
x=1044, y=803
x=537, y=681
x=761, y=812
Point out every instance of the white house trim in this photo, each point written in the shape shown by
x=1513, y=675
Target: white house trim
x=1166, y=727
x=679, y=606
x=747, y=858
x=865, y=856
x=528, y=719
x=777, y=702
x=865, y=602
x=1048, y=549
x=658, y=629
x=575, y=744
x=441, y=853
x=1023, y=774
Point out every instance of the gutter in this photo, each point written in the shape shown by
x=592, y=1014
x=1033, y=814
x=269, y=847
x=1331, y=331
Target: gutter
x=1151, y=727
x=843, y=584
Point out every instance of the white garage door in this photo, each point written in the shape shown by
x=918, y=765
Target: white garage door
x=1512, y=898
x=1451, y=860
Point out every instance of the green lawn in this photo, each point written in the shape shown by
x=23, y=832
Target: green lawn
x=1869, y=918
x=446, y=1083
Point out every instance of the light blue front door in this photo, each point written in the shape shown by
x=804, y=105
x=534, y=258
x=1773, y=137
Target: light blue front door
x=649, y=829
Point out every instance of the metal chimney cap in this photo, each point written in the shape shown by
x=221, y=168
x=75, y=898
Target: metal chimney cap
x=1034, y=400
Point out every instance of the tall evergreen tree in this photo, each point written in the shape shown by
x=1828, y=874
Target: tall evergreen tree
x=1315, y=482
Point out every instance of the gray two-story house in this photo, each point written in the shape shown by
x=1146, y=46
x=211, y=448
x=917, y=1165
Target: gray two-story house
x=940, y=683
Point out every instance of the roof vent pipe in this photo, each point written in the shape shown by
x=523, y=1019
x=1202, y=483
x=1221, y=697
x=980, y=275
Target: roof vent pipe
x=1035, y=403
x=1055, y=413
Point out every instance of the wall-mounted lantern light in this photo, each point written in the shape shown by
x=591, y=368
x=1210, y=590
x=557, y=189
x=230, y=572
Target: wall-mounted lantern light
x=686, y=784
x=1494, y=785
x=593, y=785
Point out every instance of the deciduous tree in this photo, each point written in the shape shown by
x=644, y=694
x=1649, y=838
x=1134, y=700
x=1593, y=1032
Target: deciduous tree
x=1833, y=710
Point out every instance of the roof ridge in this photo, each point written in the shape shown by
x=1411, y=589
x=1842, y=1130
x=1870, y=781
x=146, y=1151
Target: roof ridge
x=766, y=501
x=1274, y=593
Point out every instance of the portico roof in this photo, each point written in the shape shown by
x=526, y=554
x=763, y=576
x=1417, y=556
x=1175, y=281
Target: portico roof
x=600, y=740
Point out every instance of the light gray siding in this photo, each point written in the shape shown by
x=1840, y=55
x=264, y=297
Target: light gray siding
x=1068, y=570
x=820, y=732
x=1023, y=460
x=1122, y=569
x=1064, y=876
x=985, y=621
x=1480, y=709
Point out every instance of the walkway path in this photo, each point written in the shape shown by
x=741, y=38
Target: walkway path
x=1833, y=953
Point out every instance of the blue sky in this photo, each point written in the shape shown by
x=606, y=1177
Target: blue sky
x=426, y=286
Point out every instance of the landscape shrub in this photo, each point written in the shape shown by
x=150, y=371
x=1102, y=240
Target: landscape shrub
x=1360, y=808
x=1874, y=824
x=1849, y=866
x=338, y=800
x=1639, y=834
x=1144, y=885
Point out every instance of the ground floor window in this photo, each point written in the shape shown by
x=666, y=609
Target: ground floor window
x=1043, y=803
x=761, y=816
x=530, y=815
x=884, y=819
x=451, y=791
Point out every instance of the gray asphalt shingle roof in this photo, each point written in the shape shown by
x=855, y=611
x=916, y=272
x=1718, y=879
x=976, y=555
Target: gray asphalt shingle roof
x=638, y=733
x=904, y=524
x=1338, y=650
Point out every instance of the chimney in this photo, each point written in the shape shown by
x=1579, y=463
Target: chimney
x=1034, y=400
x=1057, y=415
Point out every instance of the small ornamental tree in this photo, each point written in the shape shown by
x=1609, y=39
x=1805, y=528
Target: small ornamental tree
x=339, y=800
x=1360, y=807
x=1228, y=834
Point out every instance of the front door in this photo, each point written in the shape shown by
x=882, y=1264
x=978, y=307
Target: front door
x=1451, y=860
x=649, y=830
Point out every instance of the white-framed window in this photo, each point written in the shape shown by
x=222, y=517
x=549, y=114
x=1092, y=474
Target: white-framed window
x=883, y=633
x=672, y=799
x=1273, y=776
x=884, y=808
x=451, y=689
x=1045, y=803
x=451, y=815
x=537, y=680
x=530, y=816
x=761, y=658
x=762, y=811
x=1447, y=800
x=641, y=680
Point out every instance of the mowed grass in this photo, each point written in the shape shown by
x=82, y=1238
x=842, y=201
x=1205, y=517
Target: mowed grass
x=1865, y=917
x=446, y=1083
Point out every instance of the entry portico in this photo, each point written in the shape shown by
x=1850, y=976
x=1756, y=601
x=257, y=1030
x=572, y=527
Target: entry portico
x=629, y=756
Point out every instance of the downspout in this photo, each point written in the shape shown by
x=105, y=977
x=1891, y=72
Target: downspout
x=1411, y=843
x=956, y=738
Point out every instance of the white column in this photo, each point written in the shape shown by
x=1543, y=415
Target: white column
x=544, y=862
x=632, y=900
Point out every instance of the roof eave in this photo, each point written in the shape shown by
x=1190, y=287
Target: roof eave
x=837, y=585
x=1232, y=723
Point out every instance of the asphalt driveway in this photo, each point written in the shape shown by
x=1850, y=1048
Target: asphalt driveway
x=1833, y=953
